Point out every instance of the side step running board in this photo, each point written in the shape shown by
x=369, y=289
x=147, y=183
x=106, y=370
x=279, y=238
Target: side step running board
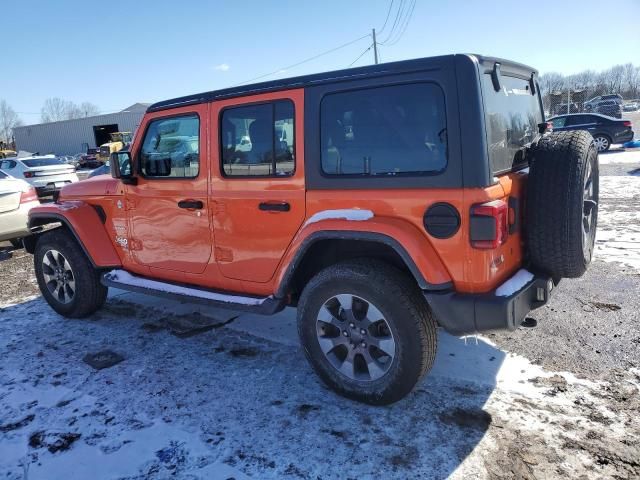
x=187, y=293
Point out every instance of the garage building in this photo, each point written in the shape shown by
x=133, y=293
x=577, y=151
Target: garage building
x=68, y=137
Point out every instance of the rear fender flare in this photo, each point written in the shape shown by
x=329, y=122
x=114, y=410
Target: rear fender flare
x=415, y=253
x=84, y=222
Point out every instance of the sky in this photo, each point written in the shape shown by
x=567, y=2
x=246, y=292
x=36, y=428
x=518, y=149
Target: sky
x=116, y=53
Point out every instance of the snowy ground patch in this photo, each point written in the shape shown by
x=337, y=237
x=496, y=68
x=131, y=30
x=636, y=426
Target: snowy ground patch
x=232, y=402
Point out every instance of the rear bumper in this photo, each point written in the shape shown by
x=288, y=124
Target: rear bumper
x=462, y=314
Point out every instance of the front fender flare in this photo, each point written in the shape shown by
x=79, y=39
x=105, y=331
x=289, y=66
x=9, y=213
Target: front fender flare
x=84, y=222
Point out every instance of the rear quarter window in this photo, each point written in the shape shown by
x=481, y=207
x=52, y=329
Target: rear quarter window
x=397, y=130
x=512, y=116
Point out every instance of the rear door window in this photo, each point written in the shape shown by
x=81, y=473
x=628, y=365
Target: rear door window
x=559, y=122
x=579, y=120
x=384, y=131
x=512, y=116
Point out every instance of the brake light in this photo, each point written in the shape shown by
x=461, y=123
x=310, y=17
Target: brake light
x=626, y=123
x=29, y=196
x=28, y=174
x=489, y=226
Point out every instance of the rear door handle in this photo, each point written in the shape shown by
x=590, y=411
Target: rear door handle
x=197, y=204
x=274, y=206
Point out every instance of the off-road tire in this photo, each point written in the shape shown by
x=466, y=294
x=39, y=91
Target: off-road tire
x=555, y=203
x=90, y=294
x=405, y=310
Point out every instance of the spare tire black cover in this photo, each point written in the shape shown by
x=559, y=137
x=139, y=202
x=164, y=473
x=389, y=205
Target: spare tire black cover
x=562, y=203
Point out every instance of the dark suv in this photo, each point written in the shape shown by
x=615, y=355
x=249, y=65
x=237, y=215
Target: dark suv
x=611, y=108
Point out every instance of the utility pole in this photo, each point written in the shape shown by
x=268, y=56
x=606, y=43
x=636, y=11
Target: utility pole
x=375, y=46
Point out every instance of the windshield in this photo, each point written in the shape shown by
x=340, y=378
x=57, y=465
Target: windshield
x=512, y=116
x=42, y=162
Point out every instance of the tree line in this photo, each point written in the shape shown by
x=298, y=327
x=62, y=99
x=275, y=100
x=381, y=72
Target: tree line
x=54, y=109
x=622, y=79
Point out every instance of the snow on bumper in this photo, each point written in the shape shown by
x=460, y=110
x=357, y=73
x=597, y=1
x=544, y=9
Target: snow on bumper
x=504, y=309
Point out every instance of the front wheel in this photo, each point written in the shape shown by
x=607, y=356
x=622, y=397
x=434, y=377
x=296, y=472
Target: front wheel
x=67, y=279
x=367, y=331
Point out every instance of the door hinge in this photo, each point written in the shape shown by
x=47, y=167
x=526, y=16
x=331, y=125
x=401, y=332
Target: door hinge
x=223, y=254
x=135, y=244
x=218, y=207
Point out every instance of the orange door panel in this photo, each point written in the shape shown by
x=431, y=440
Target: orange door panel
x=169, y=215
x=256, y=211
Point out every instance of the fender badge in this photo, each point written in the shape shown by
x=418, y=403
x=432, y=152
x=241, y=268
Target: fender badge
x=119, y=203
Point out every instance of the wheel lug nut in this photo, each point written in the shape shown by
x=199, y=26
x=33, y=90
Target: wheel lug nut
x=345, y=333
x=363, y=332
x=363, y=344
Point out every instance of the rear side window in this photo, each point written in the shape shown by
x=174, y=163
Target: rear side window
x=42, y=162
x=580, y=120
x=171, y=148
x=395, y=130
x=512, y=116
x=258, y=140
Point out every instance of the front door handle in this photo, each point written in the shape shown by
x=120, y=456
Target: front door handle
x=274, y=206
x=197, y=204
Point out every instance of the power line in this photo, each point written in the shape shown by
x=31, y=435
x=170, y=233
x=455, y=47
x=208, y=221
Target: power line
x=304, y=61
x=386, y=19
x=395, y=22
x=361, y=55
x=405, y=24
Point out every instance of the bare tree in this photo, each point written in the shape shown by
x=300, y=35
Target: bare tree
x=88, y=109
x=8, y=121
x=56, y=109
x=632, y=80
x=551, y=82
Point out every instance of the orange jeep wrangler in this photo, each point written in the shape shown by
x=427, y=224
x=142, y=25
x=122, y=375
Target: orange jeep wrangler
x=381, y=201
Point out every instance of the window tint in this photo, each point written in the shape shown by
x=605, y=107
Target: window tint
x=171, y=148
x=393, y=130
x=8, y=164
x=42, y=162
x=580, y=120
x=258, y=140
x=512, y=116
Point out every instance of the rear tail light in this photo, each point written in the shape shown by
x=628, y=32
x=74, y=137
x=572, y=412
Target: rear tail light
x=29, y=195
x=28, y=174
x=626, y=123
x=489, y=224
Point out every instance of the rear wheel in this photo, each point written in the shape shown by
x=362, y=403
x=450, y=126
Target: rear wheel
x=367, y=331
x=602, y=142
x=67, y=279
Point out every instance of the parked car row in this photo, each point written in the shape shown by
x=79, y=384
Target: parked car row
x=46, y=173
x=17, y=197
x=611, y=105
x=605, y=130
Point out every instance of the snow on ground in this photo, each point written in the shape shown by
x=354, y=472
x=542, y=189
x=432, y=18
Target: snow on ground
x=241, y=401
x=618, y=233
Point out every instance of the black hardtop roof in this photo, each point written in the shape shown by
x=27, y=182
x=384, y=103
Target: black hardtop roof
x=403, y=66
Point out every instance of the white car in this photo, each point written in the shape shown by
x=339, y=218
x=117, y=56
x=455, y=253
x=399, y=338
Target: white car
x=17, y=197
x=47, y=174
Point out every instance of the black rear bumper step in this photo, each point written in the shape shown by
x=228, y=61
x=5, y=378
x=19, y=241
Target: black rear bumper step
x=465, y=314
x=188, y=293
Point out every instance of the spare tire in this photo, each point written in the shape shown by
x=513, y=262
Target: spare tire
x=562, y=203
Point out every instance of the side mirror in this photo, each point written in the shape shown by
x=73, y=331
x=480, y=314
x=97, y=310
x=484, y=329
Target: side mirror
x=120, y=164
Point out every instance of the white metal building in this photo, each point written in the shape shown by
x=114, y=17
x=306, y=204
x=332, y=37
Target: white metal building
x=68, y=137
